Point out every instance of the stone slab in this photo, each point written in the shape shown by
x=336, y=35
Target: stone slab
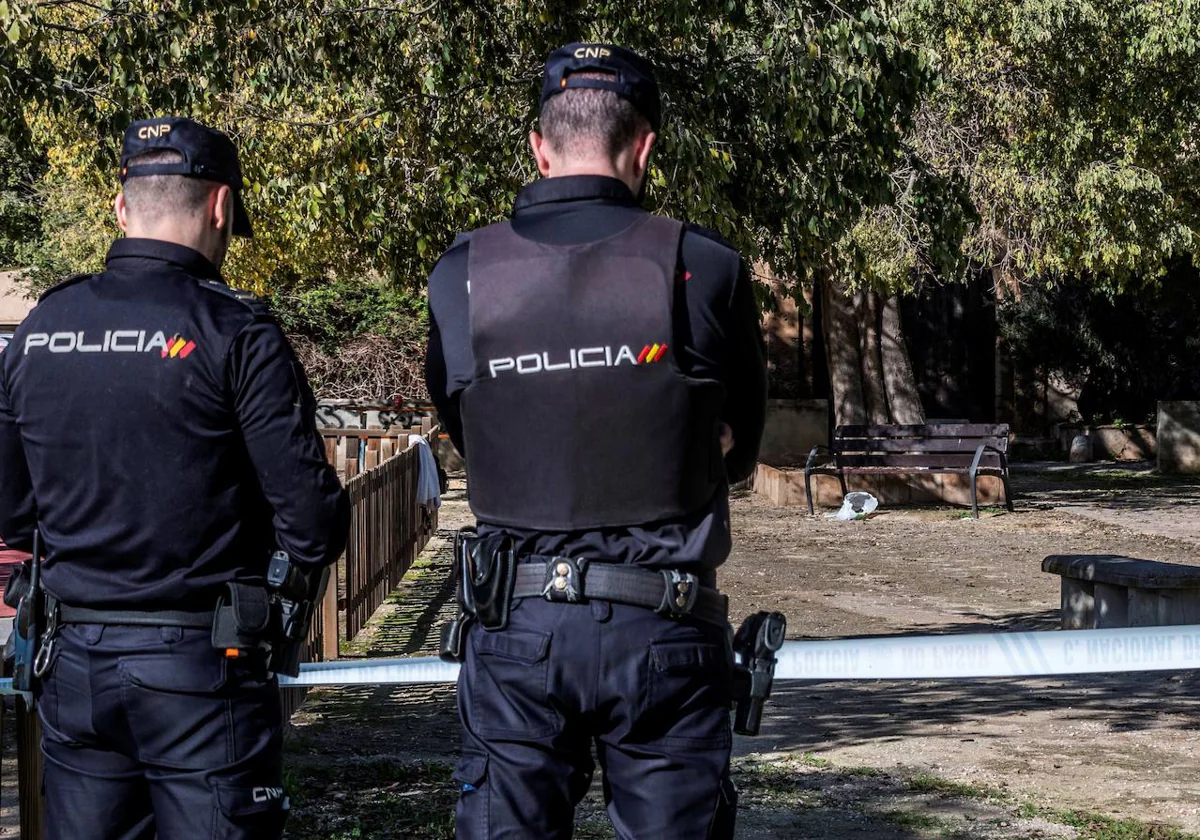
x=1123, y=571
x=1101, y=591
x=1179, y=437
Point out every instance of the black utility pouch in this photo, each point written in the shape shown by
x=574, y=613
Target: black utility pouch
x=454, y=639
x=242, y=619
x=17, y=586
x=487, y=569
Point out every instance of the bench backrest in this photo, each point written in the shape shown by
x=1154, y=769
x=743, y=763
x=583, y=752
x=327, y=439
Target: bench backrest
x=950, y=445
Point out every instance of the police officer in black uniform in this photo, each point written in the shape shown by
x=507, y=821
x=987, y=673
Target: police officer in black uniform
x=602, y=371
x=157, y=429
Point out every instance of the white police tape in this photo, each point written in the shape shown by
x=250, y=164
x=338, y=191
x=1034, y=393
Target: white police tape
x=425, y=669
x=952, y=656
x=972, y=655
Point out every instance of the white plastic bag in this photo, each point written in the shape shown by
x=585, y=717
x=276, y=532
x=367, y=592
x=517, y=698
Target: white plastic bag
x=856, y=505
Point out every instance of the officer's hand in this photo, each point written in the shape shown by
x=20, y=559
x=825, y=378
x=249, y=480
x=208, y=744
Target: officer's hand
x=726, y=438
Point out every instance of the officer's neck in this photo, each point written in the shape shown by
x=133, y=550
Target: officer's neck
x=207, y=246
x=597, y=167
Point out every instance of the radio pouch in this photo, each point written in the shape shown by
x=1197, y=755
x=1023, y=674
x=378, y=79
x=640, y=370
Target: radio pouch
x=242, y=618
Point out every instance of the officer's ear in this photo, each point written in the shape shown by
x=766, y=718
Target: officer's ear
x=122, y=212
x=539, y=146
x=642, y=148
x=220, y=207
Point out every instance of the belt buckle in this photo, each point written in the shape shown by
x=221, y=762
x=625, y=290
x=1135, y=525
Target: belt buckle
x=681, y=590
x=564, y=580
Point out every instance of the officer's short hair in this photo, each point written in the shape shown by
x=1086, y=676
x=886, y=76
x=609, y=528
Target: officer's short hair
x=582, y=121
x=166, y=194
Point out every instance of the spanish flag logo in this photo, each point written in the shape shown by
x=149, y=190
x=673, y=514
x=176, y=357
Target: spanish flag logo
x=178, y=348
x=652, y=353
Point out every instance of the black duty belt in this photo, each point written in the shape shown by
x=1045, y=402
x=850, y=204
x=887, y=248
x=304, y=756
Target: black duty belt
x=135, y=618
x=574, y=580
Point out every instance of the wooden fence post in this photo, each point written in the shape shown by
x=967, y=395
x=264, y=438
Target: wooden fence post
x=29, y=773
x=329, y=618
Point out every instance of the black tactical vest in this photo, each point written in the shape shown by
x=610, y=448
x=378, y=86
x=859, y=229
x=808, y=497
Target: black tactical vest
x=578, y=416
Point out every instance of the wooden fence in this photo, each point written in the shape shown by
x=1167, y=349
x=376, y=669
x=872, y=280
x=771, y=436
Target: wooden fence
x=388, y=530
x=353, y=451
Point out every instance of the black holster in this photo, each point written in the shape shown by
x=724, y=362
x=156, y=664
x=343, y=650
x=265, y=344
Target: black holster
x=485, y=570
x=754, y=647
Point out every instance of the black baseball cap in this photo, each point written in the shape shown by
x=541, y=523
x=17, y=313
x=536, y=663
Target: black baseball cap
x=634, y=76
x=207, y=153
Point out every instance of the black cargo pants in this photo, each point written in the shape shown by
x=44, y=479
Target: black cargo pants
x=651, y=693
x=149, y=732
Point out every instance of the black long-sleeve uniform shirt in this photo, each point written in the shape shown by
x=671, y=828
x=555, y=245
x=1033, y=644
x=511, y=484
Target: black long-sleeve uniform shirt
x=716, y=335
x=157, y=428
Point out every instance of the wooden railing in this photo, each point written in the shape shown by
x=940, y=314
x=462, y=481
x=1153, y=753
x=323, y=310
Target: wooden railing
x=352, y=451
x=388, y=529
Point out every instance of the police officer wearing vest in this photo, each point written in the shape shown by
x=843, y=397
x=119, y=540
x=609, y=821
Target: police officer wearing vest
x=158, y=432
x=601, y=369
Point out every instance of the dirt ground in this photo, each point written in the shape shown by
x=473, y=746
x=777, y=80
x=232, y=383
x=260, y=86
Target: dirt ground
x=1105, y=758
x=1123, y=745
x=1097, y=757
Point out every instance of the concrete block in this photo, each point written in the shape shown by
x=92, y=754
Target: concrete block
x=1179, y=437
x=1181, y=606
x=1112, y=591
x=1110, y=606
x=1145, y=608
x=1078, y=605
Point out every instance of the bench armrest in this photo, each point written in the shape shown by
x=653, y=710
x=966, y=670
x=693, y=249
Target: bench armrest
x=985, y=448
x=812, y=456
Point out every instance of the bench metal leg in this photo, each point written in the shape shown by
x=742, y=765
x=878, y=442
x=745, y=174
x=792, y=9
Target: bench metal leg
x=808, y=490
x=974, y=477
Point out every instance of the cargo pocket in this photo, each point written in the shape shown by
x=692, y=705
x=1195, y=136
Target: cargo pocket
x=471, y=817
x=248, y=812
x=687, y=696
x=180, y=718
x=508, y=691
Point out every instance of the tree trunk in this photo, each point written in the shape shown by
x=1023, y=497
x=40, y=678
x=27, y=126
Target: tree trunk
x=874, y=392
x=839, y=322
x=904, y=402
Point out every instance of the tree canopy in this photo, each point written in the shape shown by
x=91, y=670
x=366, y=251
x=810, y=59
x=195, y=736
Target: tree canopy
x=371, y=133
x=1073, y=125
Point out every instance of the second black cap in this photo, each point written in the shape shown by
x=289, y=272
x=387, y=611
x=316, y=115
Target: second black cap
x=633, y=76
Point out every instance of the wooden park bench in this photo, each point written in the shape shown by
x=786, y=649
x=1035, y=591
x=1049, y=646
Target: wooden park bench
x=972, y=449
x=1105, y=590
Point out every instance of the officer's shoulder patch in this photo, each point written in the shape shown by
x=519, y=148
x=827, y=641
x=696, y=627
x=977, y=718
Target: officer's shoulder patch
x=58, y=287
x=247, y=299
